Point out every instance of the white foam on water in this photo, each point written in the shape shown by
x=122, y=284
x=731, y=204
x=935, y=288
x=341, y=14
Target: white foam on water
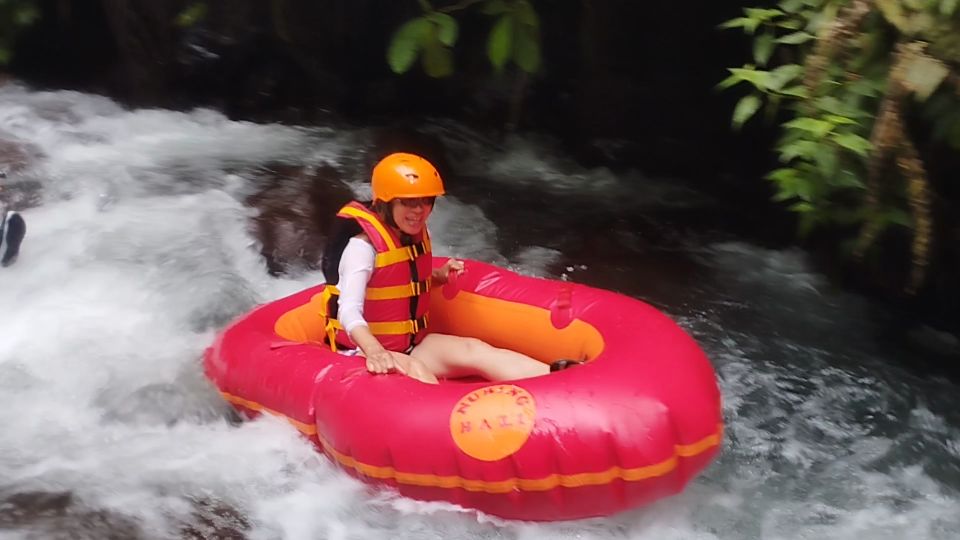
x=825, y=438
x=141, y=251
x=538, y=163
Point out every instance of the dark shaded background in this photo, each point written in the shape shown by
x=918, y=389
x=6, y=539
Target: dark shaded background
x=625, y=85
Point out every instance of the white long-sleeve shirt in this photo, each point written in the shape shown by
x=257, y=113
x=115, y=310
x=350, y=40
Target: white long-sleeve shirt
x=356, y=267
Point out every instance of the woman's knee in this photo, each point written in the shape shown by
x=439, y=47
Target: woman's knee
x=444, y=352
x=472, y=347
x=419, y=370
x=415, y=365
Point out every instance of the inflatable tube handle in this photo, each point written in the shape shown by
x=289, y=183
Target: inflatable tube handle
x=561, y=311
x=452, y=286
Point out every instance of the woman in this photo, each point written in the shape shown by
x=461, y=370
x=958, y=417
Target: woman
x=380, y=260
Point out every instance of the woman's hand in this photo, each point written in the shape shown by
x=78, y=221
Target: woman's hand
x=384, y=361
x=442, y=275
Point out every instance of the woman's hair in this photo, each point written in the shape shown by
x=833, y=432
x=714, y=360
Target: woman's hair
x=384, y=211
x=343, y=230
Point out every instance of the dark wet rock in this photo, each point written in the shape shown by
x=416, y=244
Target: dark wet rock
x=16, y=192
x=59, y=516
x=189, y=398
x=15, y=156
x=935, y=341
x=42, y=515
x=215, y=519
x=296, y=206
x=233, y=297
x=21, y=508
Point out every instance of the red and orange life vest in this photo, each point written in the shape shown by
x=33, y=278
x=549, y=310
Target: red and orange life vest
x=398, y=293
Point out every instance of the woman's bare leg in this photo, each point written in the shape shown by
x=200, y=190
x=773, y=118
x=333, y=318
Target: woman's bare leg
x=412, y=367
x=455, y=356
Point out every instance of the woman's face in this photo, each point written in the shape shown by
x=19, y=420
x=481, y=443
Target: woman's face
x=411, y=214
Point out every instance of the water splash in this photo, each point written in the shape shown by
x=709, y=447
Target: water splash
x=141, y=250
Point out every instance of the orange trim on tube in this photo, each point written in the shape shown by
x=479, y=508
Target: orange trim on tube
x=546, y=483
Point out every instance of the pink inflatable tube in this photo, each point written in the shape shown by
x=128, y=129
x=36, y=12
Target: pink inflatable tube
x=635, y=423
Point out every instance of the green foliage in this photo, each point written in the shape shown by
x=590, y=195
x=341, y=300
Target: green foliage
x=514, y=37
x=407, y=43
x=828, y=86
x=500, y=42
x=192, y=14
x=14, y=16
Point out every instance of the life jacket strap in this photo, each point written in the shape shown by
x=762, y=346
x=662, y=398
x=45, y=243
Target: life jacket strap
x=401, y=254
x=329, y=297
x=398, y=291
x=399, y=327
x=331, y=324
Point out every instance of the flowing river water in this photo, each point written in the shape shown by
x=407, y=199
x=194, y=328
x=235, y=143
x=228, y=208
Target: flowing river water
x=140, y=249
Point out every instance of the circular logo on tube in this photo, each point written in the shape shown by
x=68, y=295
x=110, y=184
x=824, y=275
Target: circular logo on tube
x=493, y=422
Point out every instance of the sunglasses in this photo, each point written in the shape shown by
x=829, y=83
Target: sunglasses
x=414, y=202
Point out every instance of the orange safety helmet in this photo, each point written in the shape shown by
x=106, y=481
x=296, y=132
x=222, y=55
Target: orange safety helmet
x=401, y=175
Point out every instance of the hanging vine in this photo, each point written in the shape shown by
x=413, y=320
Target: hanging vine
x=848, y=71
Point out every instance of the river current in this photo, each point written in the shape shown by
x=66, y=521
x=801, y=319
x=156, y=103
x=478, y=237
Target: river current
x=140, y=249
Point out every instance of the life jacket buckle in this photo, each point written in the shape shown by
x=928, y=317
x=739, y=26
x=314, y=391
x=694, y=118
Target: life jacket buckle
x=418, y=324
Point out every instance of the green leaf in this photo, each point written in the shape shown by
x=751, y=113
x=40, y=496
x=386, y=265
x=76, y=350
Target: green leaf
x=795, y=38
x=787, y=187
x=819, y=128
x=526, y=15
x=832, y=105
x=761, y=14
x=407, y=42
x=948, y=7
x=732, y=80
x=437, y=60
x=791, y=6
x=749, y=24
x=494, y=7
x=739, y=22
x=25, y=14
x=802, y=206
x=782, y=75
x=4, y=56
x=848, y=179
x=192, y=14
x=853, y=142
x=763, y=48
x=500, y=42
x=896, y=216
x=526, y=49
x=789, y=24
x=757, y=78
x=798, y=91
x=839, y=120
x=867, y=87
x=802, y=149
x=447, y=25
x=782, y=175
x=746, y=107
x=781, y=196
x=827, y=162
